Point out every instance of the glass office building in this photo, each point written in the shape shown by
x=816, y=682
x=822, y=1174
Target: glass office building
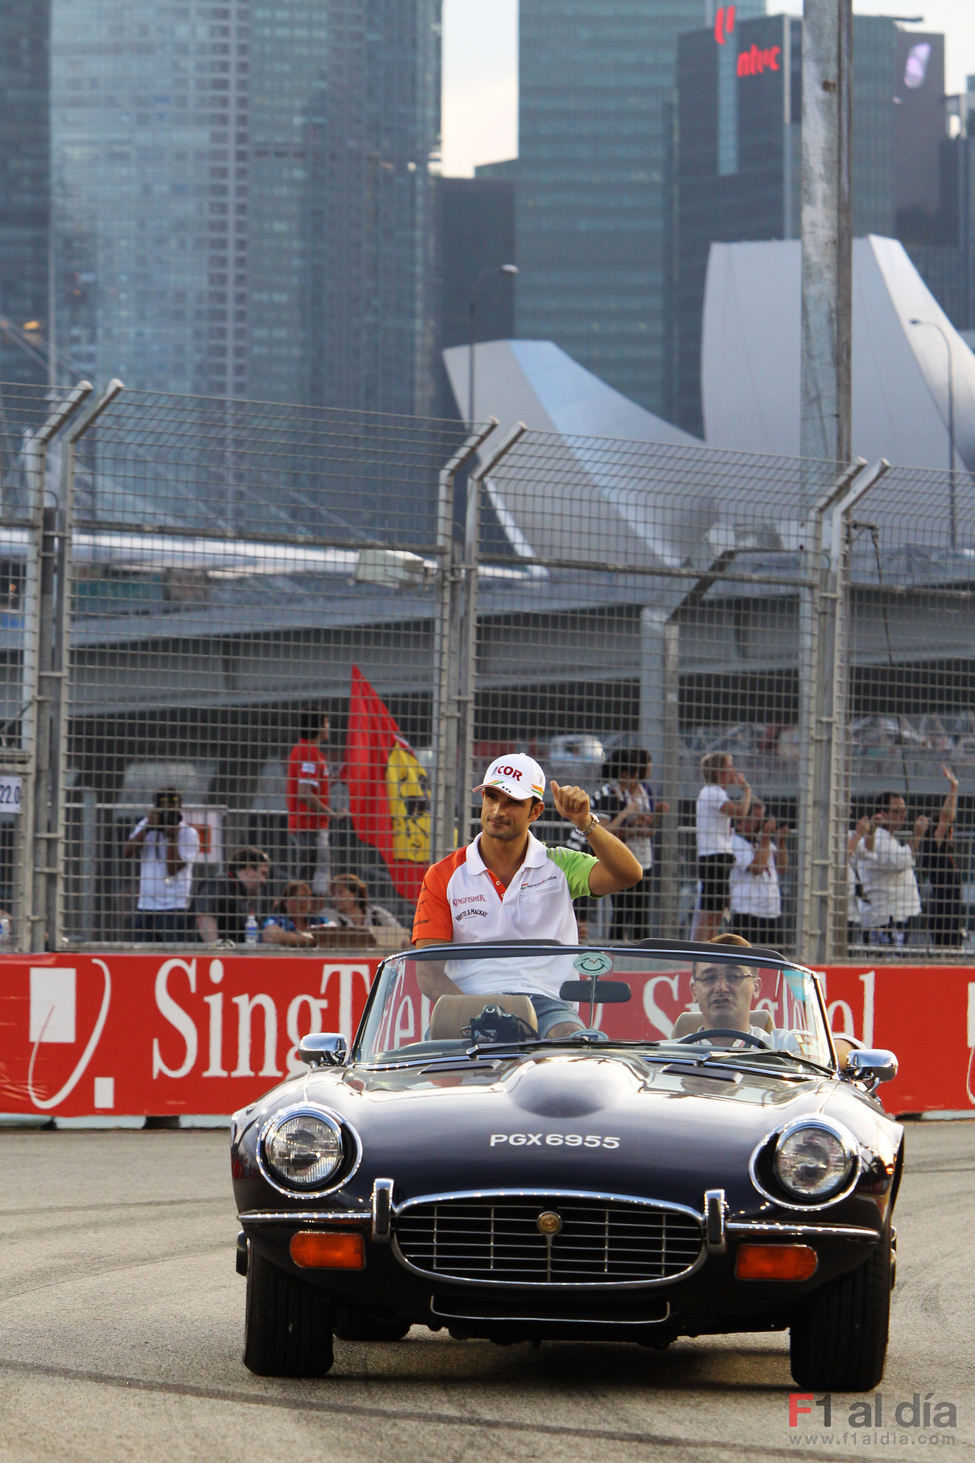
x=242, y=195
x=24, y=190
x=596, y=84
x=374, y=149
x=738, y=153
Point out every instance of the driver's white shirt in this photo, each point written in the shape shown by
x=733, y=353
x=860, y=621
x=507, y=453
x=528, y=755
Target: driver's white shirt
x=778, y=1039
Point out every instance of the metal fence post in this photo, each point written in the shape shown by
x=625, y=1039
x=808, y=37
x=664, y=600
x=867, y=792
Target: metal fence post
x=824, y=799
x=448, y=655
x=468, y=636
x=35, y=738
x=670, y=737
x=811, y=835
x=54, y=603
x=839, y=803
x=670, y=782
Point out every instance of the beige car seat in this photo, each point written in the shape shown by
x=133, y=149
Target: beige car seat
x=452, y=1013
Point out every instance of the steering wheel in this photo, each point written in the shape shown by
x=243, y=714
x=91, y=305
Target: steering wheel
x=705, y=1032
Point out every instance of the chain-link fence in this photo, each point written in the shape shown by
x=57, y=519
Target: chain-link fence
x=661, y=612
x=910, y=750
x=197, y=584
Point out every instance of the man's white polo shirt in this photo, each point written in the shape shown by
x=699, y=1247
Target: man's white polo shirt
x=462, y=903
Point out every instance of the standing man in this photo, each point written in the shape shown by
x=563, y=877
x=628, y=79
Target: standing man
x=508, y=885
x=169, y=847
x=756, y=899
x=886, y=868
x=715, y=810
x=308, y=804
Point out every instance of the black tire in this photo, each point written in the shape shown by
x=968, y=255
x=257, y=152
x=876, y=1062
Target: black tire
x=287, y=1328
x=354, y=1325
x=838, y=1340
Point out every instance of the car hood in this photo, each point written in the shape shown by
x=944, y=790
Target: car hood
x=573, y=1121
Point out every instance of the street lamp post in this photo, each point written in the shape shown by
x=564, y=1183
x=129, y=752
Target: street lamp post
x=952, y=503
x=489, y=269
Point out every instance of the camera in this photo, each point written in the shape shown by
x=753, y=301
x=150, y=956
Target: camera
x=169, y=806
x=493, y=1024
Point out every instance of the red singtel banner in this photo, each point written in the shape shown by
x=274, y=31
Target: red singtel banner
x=136, y=1034
x=162, y=1034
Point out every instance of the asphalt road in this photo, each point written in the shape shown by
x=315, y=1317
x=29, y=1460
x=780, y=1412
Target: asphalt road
x=121, y=1320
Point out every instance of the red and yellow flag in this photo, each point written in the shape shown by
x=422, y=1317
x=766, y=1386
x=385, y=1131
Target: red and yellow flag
x=389, y=791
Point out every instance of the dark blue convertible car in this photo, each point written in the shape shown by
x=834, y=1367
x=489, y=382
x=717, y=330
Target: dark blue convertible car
x=693, y=1154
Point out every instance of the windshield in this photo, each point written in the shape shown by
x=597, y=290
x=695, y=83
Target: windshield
x=439, y=1002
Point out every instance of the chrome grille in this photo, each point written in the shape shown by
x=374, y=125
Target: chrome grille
x=497, y=1239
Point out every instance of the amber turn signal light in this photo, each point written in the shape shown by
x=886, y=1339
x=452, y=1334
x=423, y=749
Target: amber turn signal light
x=775, y=1262
x=314, y=1250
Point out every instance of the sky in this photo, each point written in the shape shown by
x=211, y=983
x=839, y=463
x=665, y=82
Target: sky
x=480, y=64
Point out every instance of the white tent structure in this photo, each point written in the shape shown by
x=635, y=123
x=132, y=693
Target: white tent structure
x=663, y=494
x=534, y=382
x=906, y=393
x=579, y=497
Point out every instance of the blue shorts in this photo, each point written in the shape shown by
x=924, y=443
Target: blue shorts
x=550, y=1011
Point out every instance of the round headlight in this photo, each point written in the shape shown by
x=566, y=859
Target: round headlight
x=304, y=1149
x=813, y=1161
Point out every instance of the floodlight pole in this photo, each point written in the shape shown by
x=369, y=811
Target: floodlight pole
x=827, y=242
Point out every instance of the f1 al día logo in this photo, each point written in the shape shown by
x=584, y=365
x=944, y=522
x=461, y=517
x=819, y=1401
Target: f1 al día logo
x=875, y=1421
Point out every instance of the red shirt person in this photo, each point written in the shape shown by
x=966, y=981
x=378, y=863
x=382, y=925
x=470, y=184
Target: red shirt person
x=307, y=794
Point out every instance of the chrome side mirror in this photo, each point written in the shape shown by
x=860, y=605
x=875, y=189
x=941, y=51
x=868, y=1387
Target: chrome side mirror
x=323, y=1049
x=871, y=1065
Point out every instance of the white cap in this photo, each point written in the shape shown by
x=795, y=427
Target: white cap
x=517, y=774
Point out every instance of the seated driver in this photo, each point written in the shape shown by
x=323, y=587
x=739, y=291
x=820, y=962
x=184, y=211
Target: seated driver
x=506, y=885
x=726, y=994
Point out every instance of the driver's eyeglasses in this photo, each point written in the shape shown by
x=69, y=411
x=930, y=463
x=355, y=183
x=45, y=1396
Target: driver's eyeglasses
x=733, y=977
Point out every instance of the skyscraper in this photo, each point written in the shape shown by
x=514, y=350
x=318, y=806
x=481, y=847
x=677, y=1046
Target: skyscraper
x=24, y=189
x=593, y=181
x=738, y=152
x=375, y=140
x=243, y=195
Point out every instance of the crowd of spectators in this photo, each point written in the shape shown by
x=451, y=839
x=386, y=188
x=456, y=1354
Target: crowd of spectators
x=904, y=882
x=181, y=900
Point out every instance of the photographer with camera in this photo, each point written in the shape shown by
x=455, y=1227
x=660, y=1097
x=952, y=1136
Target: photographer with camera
x=885, y=865
x=168, y=847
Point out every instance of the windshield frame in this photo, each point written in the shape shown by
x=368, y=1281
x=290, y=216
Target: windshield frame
x=672, y=958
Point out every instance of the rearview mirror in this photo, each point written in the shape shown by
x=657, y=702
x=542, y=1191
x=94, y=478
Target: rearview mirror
x=607, y=992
